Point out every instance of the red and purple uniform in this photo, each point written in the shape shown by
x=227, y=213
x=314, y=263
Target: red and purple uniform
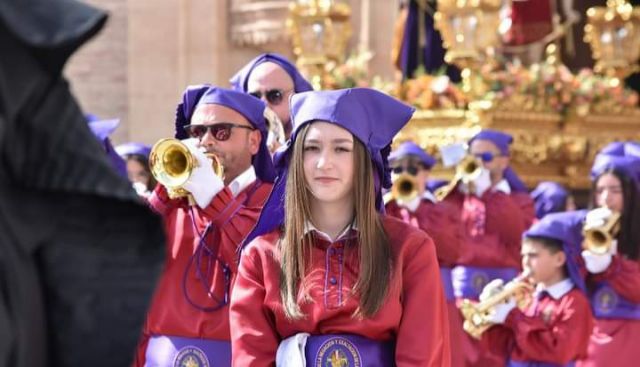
x=493, y=225
x=441, y=221
x=192, y=294
x=615, y=298
x=413, y=316
x=552, y=331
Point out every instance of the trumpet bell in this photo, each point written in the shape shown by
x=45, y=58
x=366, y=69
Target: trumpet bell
x=405, y=188
x=598, y=239
x=171, y=163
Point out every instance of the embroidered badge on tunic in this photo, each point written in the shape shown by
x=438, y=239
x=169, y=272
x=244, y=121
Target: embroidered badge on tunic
x=338, y=352
x=606, y=300
x=191, y=356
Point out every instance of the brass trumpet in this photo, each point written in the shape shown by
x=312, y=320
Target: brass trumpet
x=598, y=238
x=467, y=170
x=172, y=163
x=405, y=188
x=475, y=314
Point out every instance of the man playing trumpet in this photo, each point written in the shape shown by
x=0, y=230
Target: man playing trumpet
x=188, y=319
x=409, y=201
x=555, y=327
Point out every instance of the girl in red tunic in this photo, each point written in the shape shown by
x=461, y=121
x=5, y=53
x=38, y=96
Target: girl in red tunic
x=614, y=277
x=331, y=281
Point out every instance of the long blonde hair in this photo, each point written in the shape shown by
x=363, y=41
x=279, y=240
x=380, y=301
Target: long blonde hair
x=295, y=247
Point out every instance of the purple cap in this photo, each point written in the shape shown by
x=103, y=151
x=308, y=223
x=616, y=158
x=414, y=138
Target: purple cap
x=549, y=197
x=102, y=129
x=410, y=148
x=249, y=107
x=240, y=80
x=126, y=149
x=434, y=184
x=500, y=139
x=372, y=117
x=567, y=228
x=623, y=157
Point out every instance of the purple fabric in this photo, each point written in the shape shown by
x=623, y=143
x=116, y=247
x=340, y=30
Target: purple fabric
x=549, y=197
x=538, y=364
x=468, y=281
x=251, y=108
x=102, y=129
x=608, y=304
x=240, y=80
x=432, y=56
x=447, y=283
x=624, y=157
x=372, y=117
x=435, y=184
x=174, y=351
x=356, y=351
x=500, y=139
x=565, y=227
x=410, y=148
x=126, y=149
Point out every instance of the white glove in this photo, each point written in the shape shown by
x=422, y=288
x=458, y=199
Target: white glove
x=500, y=311
x=203, y=184
x=597, y=217
x=291, y=351
x=596, y=264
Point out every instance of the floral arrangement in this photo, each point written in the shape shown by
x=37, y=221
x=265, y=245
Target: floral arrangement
x=553, y=88
x=430, y=92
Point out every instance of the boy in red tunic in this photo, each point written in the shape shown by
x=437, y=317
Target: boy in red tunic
x=188, y=319
x=554, y=329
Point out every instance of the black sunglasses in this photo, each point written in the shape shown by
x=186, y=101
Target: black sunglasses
x=412, y=170
x=220, y=131
x=274, y=96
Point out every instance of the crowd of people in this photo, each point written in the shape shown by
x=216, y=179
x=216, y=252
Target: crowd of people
x=329, y=249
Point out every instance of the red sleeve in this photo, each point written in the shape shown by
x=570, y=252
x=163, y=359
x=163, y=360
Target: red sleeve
x=624, y=277
x=423, y=303
x=557, y=342
x=500, y=245
x=160, y=202
x=497, y=339
x=254, y=340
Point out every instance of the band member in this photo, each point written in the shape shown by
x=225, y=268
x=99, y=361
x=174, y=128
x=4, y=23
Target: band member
x=551, y=197
x=412, y=203
x=188, y=319
x=496, y=209
x=272, y=78
x=554, y=328
x=614, y=277
x=331, y=280
x=136, y=156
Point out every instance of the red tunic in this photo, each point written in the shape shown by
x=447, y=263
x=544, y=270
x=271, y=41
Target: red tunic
x=550, y=330
x=232, y=219
x=442, y=222
x=614, y=341
x=505, y=222
x=414, y=313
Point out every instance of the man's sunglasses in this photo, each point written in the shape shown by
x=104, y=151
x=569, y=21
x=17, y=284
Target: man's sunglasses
x=486, y=157
x=220, y=131
x=412, y=170
x=274, y=96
